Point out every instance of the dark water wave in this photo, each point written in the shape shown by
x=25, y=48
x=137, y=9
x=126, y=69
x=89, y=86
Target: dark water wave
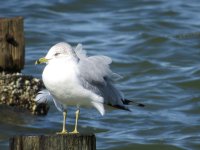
x=154, y=46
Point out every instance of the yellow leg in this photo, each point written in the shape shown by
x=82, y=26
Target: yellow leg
x=64, y=131
x=76, y=122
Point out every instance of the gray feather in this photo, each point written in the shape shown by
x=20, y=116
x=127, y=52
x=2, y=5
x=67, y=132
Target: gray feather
x=95, y=68
x=43, y=97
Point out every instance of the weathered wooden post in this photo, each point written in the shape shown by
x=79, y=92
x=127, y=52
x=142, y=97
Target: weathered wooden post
x=16, y=89
x=54, y=142
x=12, y=45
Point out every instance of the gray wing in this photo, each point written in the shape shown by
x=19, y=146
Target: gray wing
x=95, y=75
x=95, y=68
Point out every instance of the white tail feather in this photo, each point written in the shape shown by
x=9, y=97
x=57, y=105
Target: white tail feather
x=99, y=107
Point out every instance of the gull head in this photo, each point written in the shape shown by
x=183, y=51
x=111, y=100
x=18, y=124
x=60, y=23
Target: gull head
x=59, y=50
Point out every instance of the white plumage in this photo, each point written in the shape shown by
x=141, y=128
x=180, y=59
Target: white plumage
x=73, y=78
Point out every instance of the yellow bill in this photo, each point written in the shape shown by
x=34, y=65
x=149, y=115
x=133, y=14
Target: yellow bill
x=41, y=60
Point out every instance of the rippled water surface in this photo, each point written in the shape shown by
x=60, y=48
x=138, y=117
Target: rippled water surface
x=155, y=46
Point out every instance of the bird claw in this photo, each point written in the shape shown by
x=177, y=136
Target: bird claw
x=74, y=132
x=62, y=132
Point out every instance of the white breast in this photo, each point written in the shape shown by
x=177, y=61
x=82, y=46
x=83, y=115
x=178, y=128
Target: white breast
x=61, y=79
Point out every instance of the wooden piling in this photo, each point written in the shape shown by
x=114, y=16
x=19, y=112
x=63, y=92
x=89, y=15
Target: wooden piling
x=12, y=47
x=54, y=142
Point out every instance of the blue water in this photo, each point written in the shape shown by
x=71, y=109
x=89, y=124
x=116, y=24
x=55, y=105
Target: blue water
x=154, y=45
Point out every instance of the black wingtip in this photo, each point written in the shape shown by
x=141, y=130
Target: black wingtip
x=126, y=102
x=140, y=105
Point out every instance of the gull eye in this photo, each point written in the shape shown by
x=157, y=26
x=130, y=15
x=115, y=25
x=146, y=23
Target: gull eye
x=56, y=54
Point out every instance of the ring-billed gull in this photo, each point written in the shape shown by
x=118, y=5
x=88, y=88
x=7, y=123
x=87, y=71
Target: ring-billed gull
x=73, y=78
